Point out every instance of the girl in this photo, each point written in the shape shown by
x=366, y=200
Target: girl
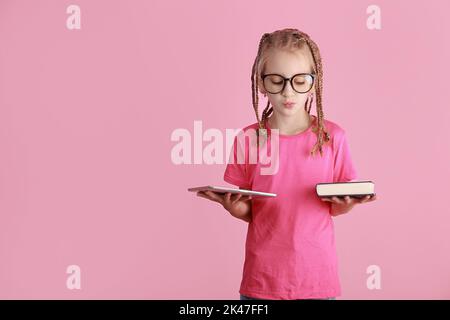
x=290, y=251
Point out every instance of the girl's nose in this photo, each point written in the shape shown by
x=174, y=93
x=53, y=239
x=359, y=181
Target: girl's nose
x=288, y=91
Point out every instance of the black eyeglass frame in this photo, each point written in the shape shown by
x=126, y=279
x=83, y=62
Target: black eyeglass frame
x=312, y=75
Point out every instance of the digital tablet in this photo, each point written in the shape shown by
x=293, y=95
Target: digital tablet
x=223, y=190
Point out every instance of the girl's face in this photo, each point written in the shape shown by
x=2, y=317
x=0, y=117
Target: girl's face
x=287, y=64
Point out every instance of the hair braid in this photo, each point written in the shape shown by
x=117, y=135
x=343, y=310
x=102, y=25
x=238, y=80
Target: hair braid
x=255, y=88
x=319, y=90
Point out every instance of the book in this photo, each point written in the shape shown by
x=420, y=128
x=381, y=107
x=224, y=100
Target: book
x=355, y=189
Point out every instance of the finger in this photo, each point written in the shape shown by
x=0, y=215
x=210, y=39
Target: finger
x=372, y=198
x=227, y=197
x=236, y=199
x=337, y=200
x=204, y=194
x=325, y=199
x=213, y=196
x=246, y=198
x=347, y=200
x=234, y=196
x=201, y=194
x=210, y=194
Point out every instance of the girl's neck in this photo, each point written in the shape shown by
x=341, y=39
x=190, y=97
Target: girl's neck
x=290, y=125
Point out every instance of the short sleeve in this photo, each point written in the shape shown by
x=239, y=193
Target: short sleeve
x=344, y=168
x=236, y=171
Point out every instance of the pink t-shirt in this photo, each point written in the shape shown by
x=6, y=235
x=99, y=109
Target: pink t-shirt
x=290, y=248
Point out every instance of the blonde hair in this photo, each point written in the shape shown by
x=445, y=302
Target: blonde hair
x=291, y=39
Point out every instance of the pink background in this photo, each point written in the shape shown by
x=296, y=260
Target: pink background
x=86, y=118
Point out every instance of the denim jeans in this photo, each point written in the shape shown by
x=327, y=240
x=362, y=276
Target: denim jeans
x=242, y=297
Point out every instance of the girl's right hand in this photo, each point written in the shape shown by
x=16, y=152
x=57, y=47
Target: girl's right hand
x=237, y=205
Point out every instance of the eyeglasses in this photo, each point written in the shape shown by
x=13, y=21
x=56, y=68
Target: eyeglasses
x=275, y=83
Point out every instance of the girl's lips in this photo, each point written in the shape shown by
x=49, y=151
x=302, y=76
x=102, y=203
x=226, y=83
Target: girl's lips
x=288, y=105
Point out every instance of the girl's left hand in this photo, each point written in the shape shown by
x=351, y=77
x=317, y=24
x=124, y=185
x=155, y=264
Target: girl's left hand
x=340, y=206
